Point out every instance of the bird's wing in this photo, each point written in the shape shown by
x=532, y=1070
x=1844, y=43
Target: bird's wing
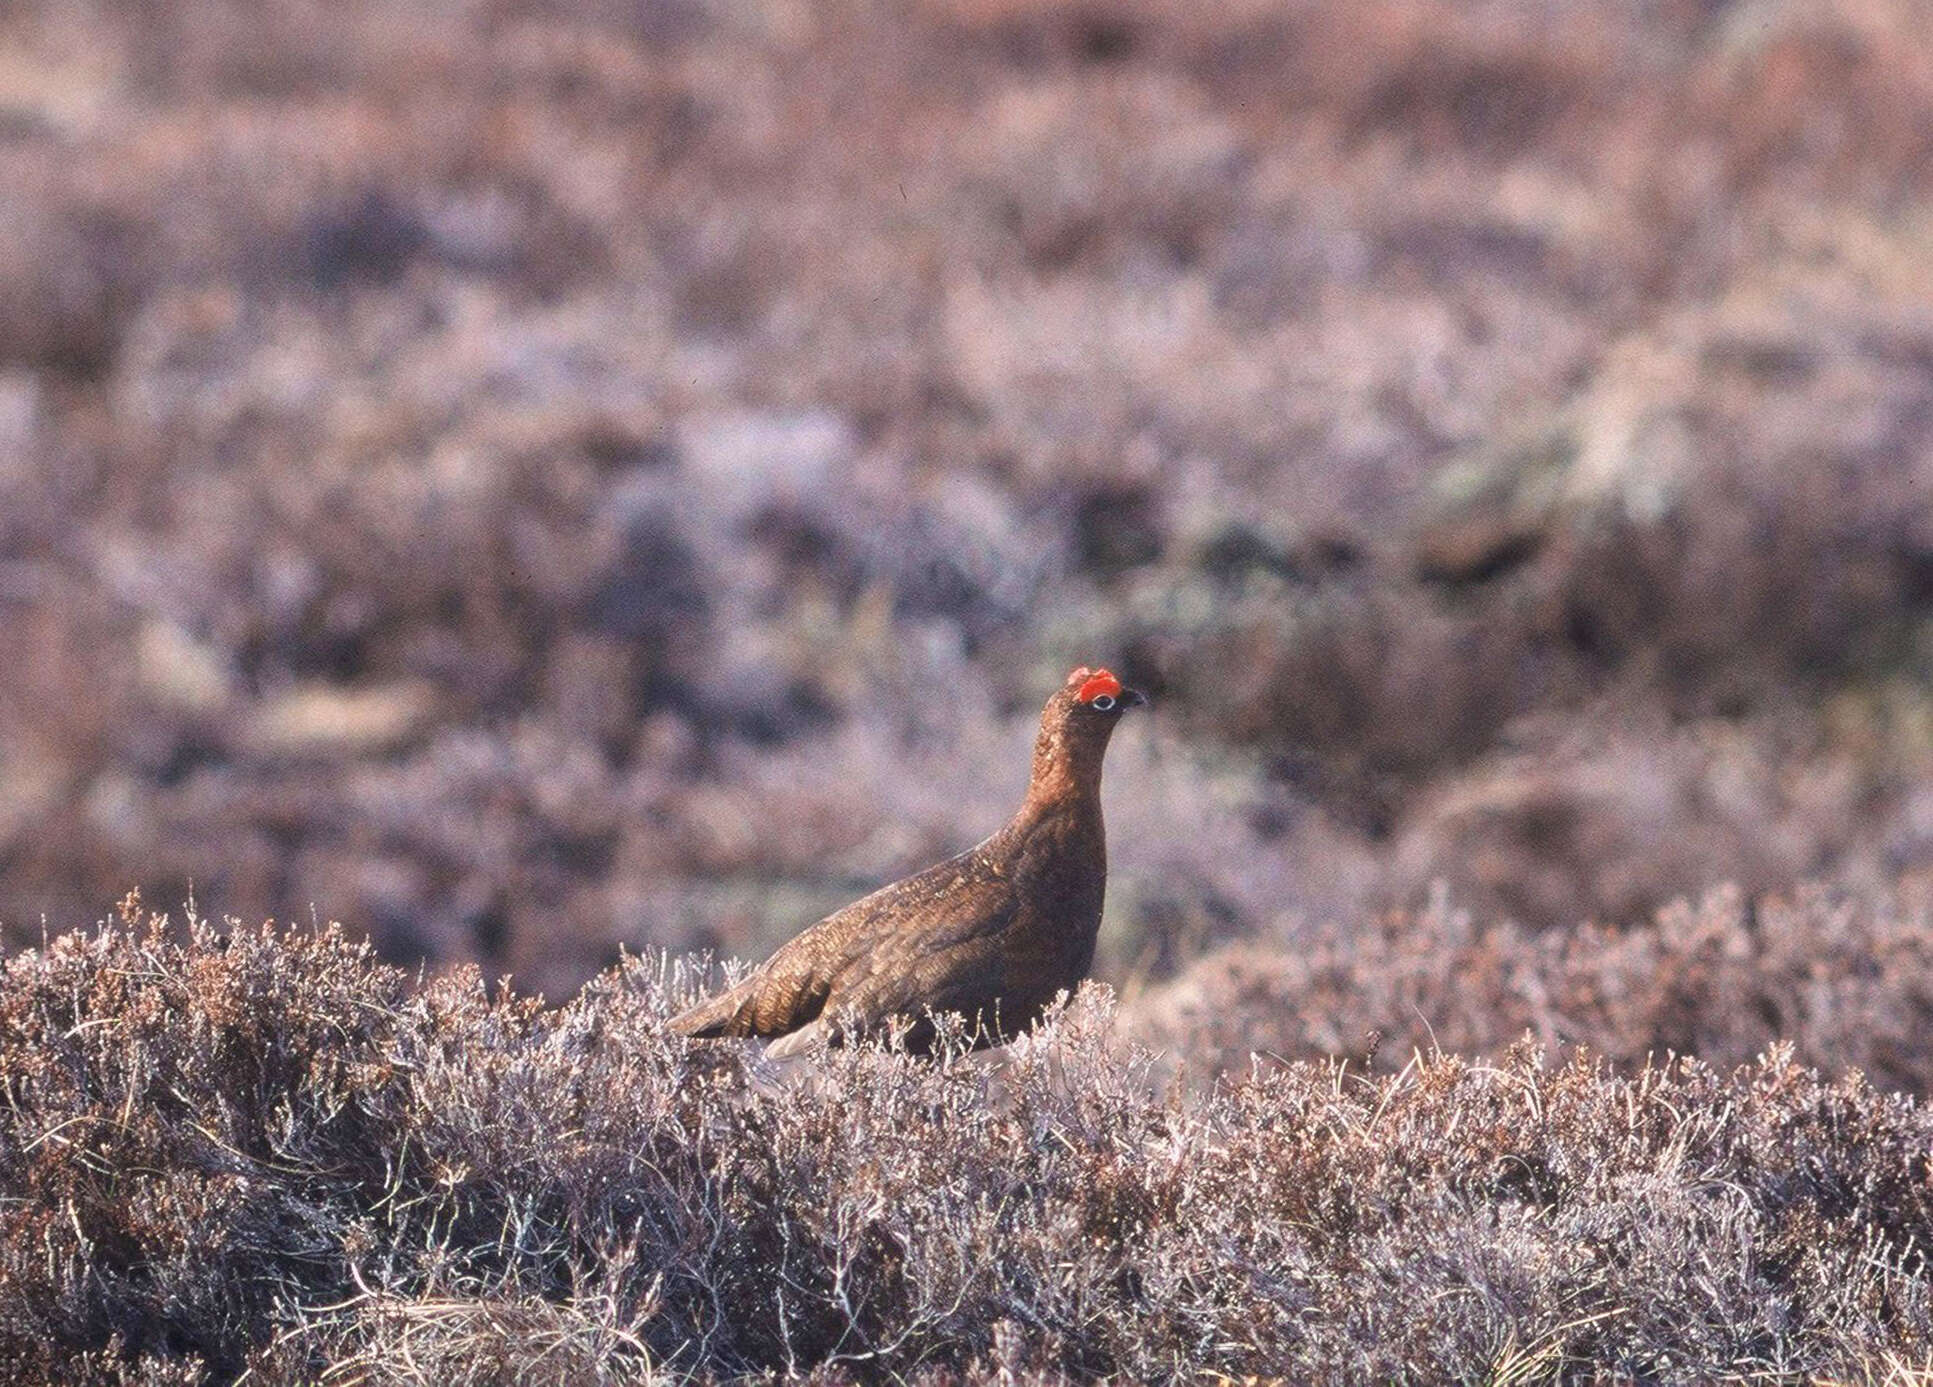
x=882, y=946
x=965, y=976
x=942, y=952
x=783, y=993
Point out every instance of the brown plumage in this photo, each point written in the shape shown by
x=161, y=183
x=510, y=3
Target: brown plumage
x=994, y=933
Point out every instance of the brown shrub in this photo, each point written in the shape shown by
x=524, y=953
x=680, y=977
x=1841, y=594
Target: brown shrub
x=528, y=475
x=264, y=1156
x=1844, y=979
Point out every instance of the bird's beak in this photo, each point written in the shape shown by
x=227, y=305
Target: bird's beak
x=1133, y=698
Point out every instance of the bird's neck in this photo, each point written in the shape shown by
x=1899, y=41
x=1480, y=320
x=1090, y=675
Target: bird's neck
x=1064, y=775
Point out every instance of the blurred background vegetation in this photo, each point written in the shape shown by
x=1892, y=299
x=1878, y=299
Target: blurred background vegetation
x=530, y=477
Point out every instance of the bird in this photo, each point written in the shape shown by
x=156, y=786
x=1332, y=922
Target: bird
x=994, y=934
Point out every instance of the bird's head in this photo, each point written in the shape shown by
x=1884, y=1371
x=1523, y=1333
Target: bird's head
x=1075, y=727
x=1095, y=694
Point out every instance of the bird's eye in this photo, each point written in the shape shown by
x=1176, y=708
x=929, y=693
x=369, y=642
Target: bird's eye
x=1102, y=703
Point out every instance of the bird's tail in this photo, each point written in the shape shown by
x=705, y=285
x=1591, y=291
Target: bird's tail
x=714, y=1017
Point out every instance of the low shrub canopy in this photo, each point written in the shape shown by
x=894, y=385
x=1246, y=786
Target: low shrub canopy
x=265, y=1156
x=1844, y=977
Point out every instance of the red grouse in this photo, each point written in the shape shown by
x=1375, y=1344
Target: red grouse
x=993, y=934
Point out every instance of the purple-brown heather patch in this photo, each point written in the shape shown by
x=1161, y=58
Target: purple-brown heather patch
x=264, y=1156
x=534, y=480
x=530, y=478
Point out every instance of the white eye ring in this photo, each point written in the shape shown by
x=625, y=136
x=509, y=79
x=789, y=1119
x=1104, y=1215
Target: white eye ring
x=1102, y=703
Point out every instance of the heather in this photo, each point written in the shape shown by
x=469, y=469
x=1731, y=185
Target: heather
x=529, y=479
x=266, y=1156
x=1843, y=980
x=571, y=487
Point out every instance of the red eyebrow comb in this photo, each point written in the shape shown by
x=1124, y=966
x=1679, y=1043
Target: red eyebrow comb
x=1103, y=683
